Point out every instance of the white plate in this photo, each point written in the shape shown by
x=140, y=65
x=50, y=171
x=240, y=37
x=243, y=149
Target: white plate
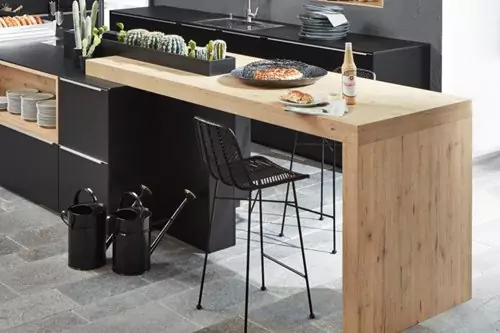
x=317, y=100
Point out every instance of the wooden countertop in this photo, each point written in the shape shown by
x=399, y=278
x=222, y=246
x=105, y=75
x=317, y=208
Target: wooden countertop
x=384, y=110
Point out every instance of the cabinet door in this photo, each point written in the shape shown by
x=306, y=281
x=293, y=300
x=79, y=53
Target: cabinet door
x=83, y=118
x=29, y=167
x=78, y=171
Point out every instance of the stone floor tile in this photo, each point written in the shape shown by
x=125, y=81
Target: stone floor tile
x=233, y=325
x=222, y=300
x=10, y=261
x=29, y=308
x=31, y=238
x=54, y=324
x=151, y=317
x=101, y=286
x=32, y=217
x=418, y=329
x=6, y=293
x=8, y=246
x=117, y=304
x=487, y=232
x=44, y=251
x=41, y=275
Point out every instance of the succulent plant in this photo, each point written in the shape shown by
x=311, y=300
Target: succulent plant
x=210, y=50
x=77, y=23
x=192, y=49
x=87, y=36
x=151, y=40
x=201, y=53
x=134, y=37
x=220, y=49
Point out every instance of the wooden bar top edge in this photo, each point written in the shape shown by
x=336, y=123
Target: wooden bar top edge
x=383, y=109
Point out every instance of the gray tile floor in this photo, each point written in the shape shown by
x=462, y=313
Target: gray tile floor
x=39, y=293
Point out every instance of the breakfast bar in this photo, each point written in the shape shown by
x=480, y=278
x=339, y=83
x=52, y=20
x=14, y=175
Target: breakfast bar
x=407, y=183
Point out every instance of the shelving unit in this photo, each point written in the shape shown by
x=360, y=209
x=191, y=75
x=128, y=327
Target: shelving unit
x=12, y=77
x=373, y=4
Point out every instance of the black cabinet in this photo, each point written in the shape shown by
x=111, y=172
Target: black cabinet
x=29, y=167
x=78, y=171
x=83, y=118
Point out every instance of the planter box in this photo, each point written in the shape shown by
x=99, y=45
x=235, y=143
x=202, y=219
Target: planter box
x=110, y=47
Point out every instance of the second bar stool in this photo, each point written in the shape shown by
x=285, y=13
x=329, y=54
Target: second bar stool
x=222, y=157
x=323, y=143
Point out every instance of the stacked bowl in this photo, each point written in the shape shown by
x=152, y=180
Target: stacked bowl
x=14, y=99
x=29, y=109
x=323, y=22
x=46, y=115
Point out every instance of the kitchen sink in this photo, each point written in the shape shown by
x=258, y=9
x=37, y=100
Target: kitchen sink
x=238, y=24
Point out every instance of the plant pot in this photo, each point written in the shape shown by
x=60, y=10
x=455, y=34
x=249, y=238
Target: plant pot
x=77, y=54
x=82, y=63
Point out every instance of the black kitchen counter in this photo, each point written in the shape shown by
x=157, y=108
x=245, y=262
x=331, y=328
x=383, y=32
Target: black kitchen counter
x=48, y=59
x=363, y=43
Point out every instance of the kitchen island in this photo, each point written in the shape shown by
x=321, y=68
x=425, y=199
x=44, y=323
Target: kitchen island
x=407, y=188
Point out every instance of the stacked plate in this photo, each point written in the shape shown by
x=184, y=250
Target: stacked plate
x=14, y=99
x=46, y=116
x=29, y=110
x=3, y=103
x=323, y=22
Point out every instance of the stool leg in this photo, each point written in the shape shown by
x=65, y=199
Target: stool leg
x=323, y=143
x=288, y=185
x=263, y=286
x=212, y=214
x=247, y=291
x=334, y=251
x=311, y=313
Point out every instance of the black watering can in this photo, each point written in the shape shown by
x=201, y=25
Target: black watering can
x=132, y=247
x=86, y=232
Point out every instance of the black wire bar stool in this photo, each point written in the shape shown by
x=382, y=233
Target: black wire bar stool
x=323, y=143
x=222, y=157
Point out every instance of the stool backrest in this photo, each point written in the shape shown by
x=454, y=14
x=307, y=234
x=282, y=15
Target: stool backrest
x=362, y=73
x=221, y=153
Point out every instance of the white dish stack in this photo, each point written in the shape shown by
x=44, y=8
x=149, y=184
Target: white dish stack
x=46, y=115
x=14, y=99
x=29, y=109
x=3, y=103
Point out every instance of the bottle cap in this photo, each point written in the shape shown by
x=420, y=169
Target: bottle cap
x=348, y=45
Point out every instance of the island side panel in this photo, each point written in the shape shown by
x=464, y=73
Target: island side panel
x=407, y=228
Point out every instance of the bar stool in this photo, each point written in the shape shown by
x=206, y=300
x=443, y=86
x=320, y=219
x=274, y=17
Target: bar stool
x=223, y=159
x=362, y=73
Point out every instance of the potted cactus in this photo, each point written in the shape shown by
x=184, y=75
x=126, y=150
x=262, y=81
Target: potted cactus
x=87, y=36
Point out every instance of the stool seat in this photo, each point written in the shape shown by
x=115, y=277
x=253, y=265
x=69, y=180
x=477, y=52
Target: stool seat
x=264, y=173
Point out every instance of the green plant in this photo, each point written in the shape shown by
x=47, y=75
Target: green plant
x=122, y=34
x=134, y=37
x=192, y=49
x=210, y=50
x=87, y=36
x=220, y=49
x=201, y=53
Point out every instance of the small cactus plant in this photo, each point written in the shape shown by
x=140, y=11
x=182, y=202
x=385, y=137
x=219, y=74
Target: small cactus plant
x=220, y=49
x=210, y=50
x=192, y=49
x=122, y=34
x=87, y=36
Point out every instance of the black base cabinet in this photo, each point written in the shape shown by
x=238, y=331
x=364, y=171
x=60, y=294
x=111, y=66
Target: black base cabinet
x=393, y=61
x=29, y=167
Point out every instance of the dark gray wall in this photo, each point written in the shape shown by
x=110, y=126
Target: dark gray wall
x=418, y=20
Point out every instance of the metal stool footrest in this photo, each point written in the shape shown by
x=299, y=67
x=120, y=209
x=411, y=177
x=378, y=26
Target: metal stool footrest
x=291, y=269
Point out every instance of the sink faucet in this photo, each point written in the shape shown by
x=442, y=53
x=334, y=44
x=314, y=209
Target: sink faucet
x=250, y=14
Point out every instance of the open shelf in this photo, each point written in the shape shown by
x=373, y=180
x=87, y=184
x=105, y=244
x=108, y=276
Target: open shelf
x=373, y=4
x=12, y=77
x=16, y=123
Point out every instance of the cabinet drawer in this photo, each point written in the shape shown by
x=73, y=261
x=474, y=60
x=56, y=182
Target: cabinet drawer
x=78, y=171
x=29, y=167
x=83, y=118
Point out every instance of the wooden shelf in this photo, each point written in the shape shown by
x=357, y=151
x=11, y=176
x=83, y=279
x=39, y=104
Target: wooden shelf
x=373, y=4
x=13, y=76
x=16, y=123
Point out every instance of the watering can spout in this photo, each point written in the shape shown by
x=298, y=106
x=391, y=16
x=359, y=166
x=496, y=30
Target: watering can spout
x=188, y=195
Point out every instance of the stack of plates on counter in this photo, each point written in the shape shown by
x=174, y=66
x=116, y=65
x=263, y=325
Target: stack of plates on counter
x=46, y=113
x=14, y=99
x=323, y=22
x=3, y=103
x=29, y=109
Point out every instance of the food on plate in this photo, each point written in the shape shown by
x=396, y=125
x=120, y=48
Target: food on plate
x=277, y=73
x=298, y=97
x=19, y=21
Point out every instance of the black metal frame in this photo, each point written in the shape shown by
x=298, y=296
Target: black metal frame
x=331, y=146
x=263, y=287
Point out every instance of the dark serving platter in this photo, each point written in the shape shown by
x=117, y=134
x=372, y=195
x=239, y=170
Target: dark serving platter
x=311, y=73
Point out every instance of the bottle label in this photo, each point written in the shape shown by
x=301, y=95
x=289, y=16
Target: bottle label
x=349, y=85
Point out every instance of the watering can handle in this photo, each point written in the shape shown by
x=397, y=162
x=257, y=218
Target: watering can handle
x=76, y=200
x=134, y=195
x=64, y=217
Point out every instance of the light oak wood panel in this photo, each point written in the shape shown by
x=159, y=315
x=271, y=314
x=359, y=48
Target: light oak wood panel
x=15, y=122
x=407, y=228
x=365, y=3
x=14, y=76
x=380, y=104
